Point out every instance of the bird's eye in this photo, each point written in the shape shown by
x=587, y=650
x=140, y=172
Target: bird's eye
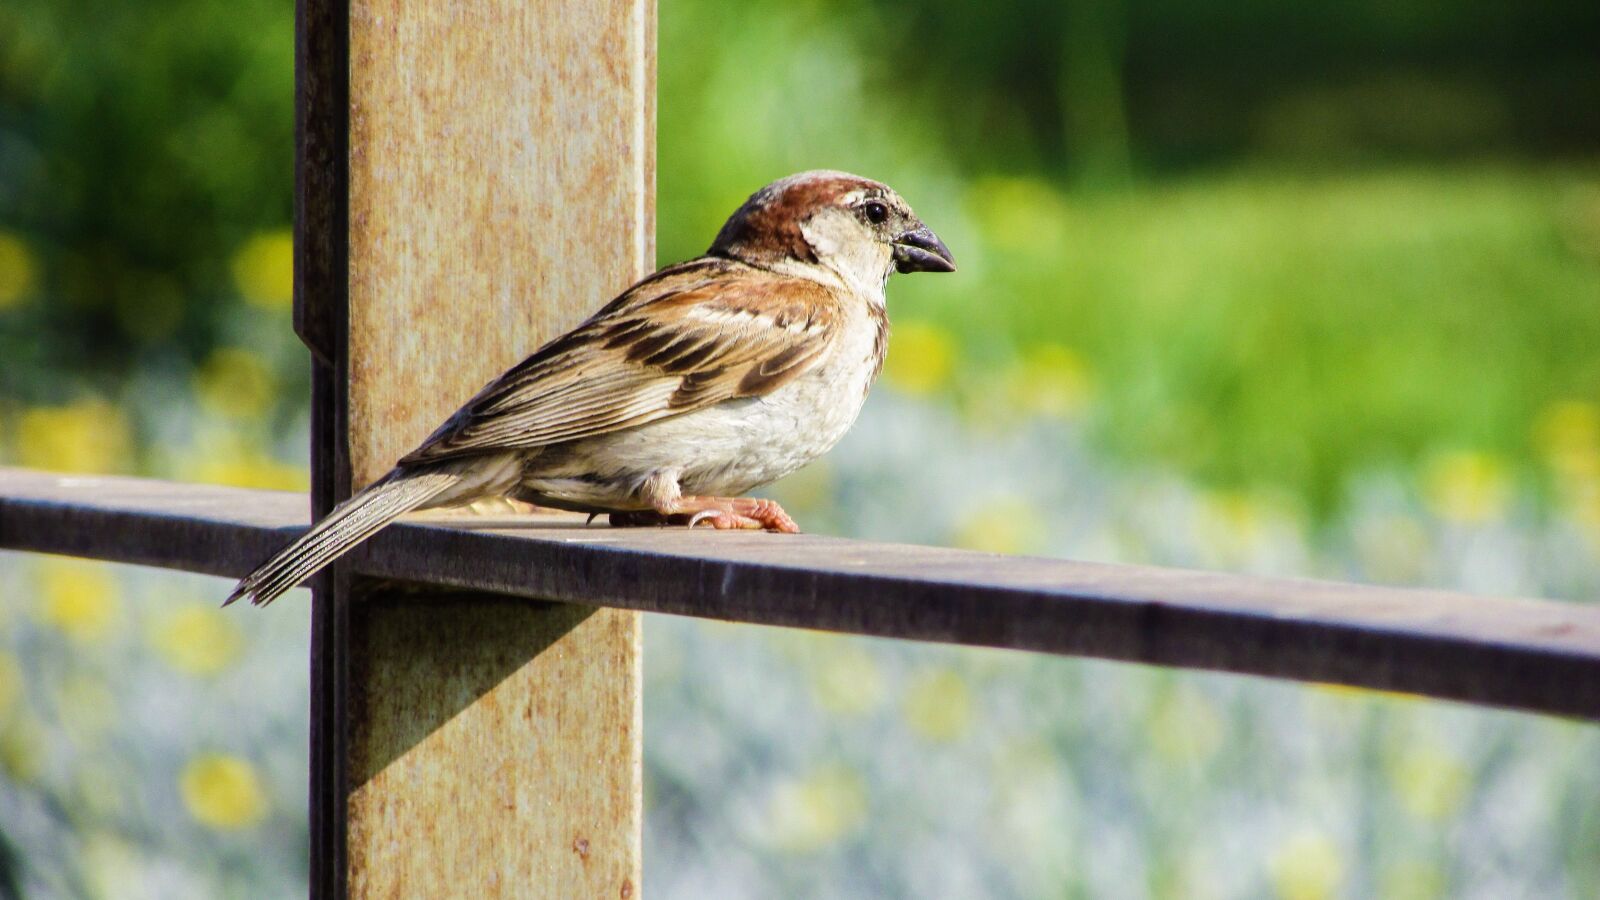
x=876, y=212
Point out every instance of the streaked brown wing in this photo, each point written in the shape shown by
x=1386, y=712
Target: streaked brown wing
x=692, y=336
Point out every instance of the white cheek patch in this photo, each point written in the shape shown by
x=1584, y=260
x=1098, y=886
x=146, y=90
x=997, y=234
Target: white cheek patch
x=844, y=245
x=830, y=231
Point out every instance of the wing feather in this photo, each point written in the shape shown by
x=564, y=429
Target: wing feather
x=691, y=336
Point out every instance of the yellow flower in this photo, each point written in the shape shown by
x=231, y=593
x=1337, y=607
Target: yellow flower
x=811, y=813
x=1430, y=782
x=1000, y=525
x=225, y=457
x=938, y=705
x=1466, y=487
x=254, y=471
x=222, y=791
x=1351, y=692
x=1050, y=380
x=1233, y=526
x=79, y=598
x=16, y=270
x=197, y=639
x=236, y=383
x=87, y=436
x=1237, y=511
x=921, y=356
x=1020, y=214
x=1308, y=866
x=263, y=269
x=1567, y=434
x=847, y=681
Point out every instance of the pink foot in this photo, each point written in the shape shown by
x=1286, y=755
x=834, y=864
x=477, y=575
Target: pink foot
x=737, y=512
x=721, y=513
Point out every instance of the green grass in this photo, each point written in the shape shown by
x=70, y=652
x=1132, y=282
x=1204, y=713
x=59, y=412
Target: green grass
x=1291, y=330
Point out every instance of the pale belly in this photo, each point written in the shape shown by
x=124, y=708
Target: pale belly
x=723, y=450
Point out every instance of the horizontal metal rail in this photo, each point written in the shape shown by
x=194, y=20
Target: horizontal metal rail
x=1524, y=654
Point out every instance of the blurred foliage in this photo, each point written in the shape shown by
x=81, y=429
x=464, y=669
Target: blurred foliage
x=1275, y=246
x=140, y=146
x=111, y=784
x=1175, y=85
x=1278, y=329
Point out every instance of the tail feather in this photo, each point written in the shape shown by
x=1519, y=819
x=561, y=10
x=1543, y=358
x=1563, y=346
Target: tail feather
x=350, y=523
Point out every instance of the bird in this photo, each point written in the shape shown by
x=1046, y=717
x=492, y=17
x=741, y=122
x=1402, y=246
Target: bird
x=698, y=384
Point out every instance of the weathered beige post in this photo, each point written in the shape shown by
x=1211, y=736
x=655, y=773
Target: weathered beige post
x=472, y=178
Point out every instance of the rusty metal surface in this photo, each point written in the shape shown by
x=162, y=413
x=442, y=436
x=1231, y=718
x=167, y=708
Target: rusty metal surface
x=502, y=169
x=472, y=180
x=1524, y=654
x=501, y=684
x=321, y=289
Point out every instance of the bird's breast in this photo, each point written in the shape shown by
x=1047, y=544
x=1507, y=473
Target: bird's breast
x=765, y=438
x=728, y=448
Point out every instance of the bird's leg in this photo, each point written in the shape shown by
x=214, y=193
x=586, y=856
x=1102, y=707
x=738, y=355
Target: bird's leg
x=668, y=505
x=732, y=512
x=721, y=513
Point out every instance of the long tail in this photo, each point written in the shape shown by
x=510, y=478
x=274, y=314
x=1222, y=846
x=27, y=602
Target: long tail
x=350, y=523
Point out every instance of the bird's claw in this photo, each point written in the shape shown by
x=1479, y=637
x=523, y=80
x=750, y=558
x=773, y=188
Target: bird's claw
x=704, y=514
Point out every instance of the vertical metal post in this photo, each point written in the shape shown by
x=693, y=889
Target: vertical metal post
x=472, y=179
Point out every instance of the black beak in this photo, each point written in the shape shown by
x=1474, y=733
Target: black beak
x=922, y=251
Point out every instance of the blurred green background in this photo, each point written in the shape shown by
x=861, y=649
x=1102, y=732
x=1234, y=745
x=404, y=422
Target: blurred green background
x=1282, y=288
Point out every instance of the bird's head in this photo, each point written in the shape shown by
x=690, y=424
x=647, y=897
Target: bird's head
x=854, y=227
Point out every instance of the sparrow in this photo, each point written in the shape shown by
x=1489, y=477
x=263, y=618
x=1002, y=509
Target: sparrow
x=701, y=382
